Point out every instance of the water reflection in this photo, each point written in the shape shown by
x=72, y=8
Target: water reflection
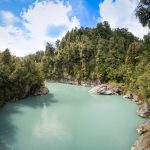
x=49, y=126
x=9, y=124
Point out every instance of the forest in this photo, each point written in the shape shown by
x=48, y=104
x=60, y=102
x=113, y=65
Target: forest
x=18, y=77
x=96, y=54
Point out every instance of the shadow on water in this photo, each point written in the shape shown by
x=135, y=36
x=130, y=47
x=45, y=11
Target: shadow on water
x=7, y=129
x=38, y=101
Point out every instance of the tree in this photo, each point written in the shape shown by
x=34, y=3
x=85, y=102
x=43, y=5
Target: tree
x=133, y=54
x=6, y=57
x=49, y=51
x=18, y=77
x=103, y=30
x=143, y=12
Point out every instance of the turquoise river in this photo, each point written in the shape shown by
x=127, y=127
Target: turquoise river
x=69, y=118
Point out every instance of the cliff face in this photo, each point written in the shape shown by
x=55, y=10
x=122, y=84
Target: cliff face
x=144, y=110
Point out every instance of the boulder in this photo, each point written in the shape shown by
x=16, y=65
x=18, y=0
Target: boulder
x=144, y=110
x=99, y=89
x=108, y=92
x=128, y=96
x=105, y=89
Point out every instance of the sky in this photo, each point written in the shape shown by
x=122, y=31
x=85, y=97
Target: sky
x=27, y=25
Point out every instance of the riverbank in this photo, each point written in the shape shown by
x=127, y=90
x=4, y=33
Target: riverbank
x=143, y=142
x=77, y=82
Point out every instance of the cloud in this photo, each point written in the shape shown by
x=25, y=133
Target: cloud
x=121, y=14
x=34, y=26
x=8, y=18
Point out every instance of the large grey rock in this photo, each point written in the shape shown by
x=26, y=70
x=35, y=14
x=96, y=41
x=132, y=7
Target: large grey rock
x=128, y=96
x=105, y=89
x=144, y=110
x=108, y=92
x=99, y=89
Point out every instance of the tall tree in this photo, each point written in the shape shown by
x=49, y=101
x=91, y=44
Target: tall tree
x=143, y=12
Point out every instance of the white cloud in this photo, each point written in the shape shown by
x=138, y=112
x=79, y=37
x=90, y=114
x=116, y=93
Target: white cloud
x=121, y=14
x=35, y=21
x=8, y=18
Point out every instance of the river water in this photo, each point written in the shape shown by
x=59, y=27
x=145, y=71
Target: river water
x=69, y=118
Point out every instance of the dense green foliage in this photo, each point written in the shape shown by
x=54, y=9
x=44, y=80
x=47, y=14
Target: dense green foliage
x=143, y=12
x=86, y=54
x=18, y=77
x=100, y=54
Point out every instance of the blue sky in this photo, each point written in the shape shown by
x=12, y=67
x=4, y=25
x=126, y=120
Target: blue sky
x=26, y=25
x=86, y=10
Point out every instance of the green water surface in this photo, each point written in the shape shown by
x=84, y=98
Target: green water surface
x=69, y=118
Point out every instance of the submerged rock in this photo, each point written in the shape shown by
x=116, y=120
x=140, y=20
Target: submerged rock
x=143, y=143
x=144, y=110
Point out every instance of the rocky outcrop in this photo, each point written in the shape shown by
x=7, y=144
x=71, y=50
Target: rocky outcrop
x=143, y=143
x=144, y=110
x=128, y=96
x=135, y=97
x=97, y=89
x=41, y=91
x=143, y=128
x=105, y=89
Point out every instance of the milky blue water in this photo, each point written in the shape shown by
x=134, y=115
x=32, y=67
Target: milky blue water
x=69, y=118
